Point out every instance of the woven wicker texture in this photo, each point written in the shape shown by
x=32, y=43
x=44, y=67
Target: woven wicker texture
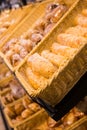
x=5, y=101
x=27, y=24
x=16, y=16
x=29, y=122
x=3, y=83
x=78, y=125
x=63, y=80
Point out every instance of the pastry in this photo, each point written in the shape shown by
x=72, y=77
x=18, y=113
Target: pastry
x=34, y=107
x=70, y=40
x=2, y=30
x=36, y=37
x=51, y=122
x=41, y=65
x=5, y=74
x=9, y=45
x=58, y=13
x=81, y=20
x=48, y=28
x=52, y=6
x=77, y=31
x=16, y=89
x=26, y=113
x=18, y=108
x=27, y=44
x=35, y=80
x=62, y=50
x=19, y=118
x=84, y=12
x=6, y=24
x=26, y=101
x=40, y=25
x=53, y=58
x=69, y=119
x=55, y=12
x=77, y=112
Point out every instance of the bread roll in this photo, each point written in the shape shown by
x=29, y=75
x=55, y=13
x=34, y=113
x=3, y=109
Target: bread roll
x=14, y=121
x=77, y=31
x=9, y=98
x=4, y=100
x=62, y=50
x=19, y=118
x=34, y=107
x=48, y=28
x=55, y=59
x=51, y=122
x=70, y=40
x=6, y=24
x=16, y=89
x=26, y=44
x=84, y=12
x=40, y=25
x=2, y=30
x=9, y=45
x=26, y=113
x=18, y=108
x=41, y=65
x=15, y=59
x=78, y=113
x=69, y=119
x=50, y=7
x=57, y=13
x=36, y=80
x=26, y=101
x=81, y=20
x=36, y=37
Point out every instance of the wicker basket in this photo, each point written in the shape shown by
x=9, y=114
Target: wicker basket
x=17, y=15
x=79, y=125
x=4, y=94
x=28, y=23
x=29, y=122
x=63, y=80
x=10, y=18
x=74, y=126
x=4, y=82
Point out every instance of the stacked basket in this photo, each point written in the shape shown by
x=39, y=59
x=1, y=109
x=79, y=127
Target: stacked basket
x=69, y=71
x=56, y=83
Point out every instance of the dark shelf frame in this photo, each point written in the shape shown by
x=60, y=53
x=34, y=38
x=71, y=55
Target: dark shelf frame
x=78, y=92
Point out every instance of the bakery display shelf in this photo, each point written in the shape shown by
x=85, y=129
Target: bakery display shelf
x=57, y=82
x=28, y=24
x=4, y=82
x=17, y=16
x=68, y=102
x=28, y=122
x=77, y=125
x=80, y=126
x=58, y=108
